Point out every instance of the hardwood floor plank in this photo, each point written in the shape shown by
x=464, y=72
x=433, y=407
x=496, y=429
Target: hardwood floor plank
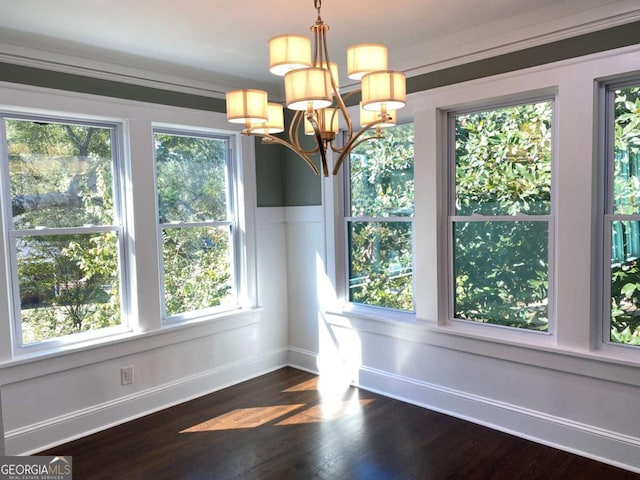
x=280, y=426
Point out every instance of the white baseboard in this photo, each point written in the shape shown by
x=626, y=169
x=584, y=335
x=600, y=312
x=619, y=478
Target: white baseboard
x=62, y=429
x=586, y=440
x=582, y=439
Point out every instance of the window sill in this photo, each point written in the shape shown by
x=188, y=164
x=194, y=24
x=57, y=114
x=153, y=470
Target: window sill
x=380, y=314
x=610, y=363
x=29, y=362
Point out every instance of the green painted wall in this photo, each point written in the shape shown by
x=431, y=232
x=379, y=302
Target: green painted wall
x=270, y=175
x=283, y=179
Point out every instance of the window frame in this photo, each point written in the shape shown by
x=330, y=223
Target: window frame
x=363, y=309
x=118, y=227
x=232, y=222
x=607, y=152
x=449, y=117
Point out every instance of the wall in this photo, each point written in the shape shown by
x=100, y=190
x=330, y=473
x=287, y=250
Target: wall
x=563, y=389
x=49, y=397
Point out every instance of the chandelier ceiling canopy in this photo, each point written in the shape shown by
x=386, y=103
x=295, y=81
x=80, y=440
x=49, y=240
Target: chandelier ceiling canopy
x=311, y=87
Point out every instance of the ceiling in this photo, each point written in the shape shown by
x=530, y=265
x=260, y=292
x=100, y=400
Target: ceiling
x=216, y=45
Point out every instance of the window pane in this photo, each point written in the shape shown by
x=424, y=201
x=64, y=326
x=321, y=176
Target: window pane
x=380, y=264
x=197, y=268
x=625, y=282
x=67, y=284
x=191, y=177
x=501, y=273
x=381, y=174
x=626, y=181
x=503, y=161
x=60, y=175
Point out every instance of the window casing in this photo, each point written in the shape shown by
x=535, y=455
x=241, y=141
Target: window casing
x=197, y=223
x=378, y=222
x=621, y=325
x=64, y=229
x=500, y=220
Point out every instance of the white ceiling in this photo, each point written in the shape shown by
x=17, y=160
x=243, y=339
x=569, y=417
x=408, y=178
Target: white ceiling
x=220, y=44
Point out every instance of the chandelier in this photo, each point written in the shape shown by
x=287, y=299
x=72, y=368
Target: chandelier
x=312, y=91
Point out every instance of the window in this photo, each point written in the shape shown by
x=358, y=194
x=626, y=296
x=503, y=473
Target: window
x=379, y=221
x=622, y=219
x=500, y=215
x=63, y=227
x=197, y=222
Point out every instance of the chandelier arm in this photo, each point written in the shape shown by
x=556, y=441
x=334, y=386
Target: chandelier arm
x=268, y=138
x=321, y=145
x=339, y=100
x=354, y=142
x=294, y=137
x=384, y=117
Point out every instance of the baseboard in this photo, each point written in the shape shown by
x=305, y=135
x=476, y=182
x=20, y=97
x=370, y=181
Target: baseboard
x=582, y=439
x=62, y=429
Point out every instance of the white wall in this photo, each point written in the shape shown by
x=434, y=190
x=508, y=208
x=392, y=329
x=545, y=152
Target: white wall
x=57, y=399
x=50, y=397
x=562, y=389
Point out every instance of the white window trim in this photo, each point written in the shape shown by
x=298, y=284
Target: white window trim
x=231, y=221
x=118, y=227
x=549, y=218
x=137, y=120
x=573, y=84
x=335, y=299
x=606, y=153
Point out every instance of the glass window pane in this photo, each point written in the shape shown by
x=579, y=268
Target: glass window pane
x=626, y=161
x=503, y=161
x=197, y=268
x=380, y=264
x=60, y=174
x=381, y=174
x=67, y=284
x=625, y=282
x=191, y=178
x=501, y=273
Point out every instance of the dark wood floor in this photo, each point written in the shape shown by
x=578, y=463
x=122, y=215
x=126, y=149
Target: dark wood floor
x=279, y=426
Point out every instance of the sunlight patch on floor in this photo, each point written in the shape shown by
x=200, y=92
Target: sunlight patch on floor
x=326, y=413
x=244, y=418
x=310, y=385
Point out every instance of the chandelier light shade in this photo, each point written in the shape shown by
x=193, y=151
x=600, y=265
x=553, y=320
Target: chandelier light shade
x=308, y=89
x=274, y=123
x=365, y=58
x=289, y=52
x=247, y=106
x=312, y=91
x=384, y=91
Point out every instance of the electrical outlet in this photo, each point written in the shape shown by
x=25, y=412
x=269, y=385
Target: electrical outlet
x=126, y=375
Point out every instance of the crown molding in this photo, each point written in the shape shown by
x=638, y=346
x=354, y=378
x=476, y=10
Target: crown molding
x=509, y=42
x=75, y=65
x=205, y=83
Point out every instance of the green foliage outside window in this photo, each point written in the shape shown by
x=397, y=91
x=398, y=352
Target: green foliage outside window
x=380, y=249
x=502, y=168
x=60, y=176
x=192, y=187
x=625, y=235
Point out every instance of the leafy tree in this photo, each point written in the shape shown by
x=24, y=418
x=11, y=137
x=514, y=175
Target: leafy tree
x=625, y=267
x=503, y=168
x=60, y=176
x=192, y=187
x=381, y=260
